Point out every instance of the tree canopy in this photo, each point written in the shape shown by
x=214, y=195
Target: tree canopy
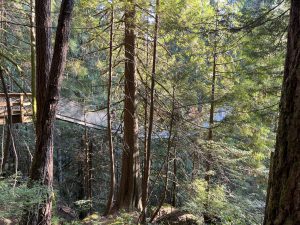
x=167, y=105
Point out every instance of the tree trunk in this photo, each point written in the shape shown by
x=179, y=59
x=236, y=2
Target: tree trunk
x=89, y=192
x=129, y=197
x=48, y=88
x=43, y=53
x=8, y=140
x=7, y=144
x=33, y=61
x=147, y=166
x=80, y=186
x=170, y=143
x=211, y=122
x=174, y=182
x=283, y=202
x=109, y=131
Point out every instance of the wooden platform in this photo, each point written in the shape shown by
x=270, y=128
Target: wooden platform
x=67, y=110
x=20, y=104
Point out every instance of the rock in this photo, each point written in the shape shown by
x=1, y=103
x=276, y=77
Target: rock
x=66, y=213
x=7, y=222
x=177, y=217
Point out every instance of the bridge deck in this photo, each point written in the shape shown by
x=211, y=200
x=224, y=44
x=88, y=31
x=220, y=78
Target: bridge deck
x=69, y=111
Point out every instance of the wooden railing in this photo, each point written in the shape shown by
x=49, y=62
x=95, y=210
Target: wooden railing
x=20, y=104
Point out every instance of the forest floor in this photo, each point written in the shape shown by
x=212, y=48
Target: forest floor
x=118, y=218
x=167, y=215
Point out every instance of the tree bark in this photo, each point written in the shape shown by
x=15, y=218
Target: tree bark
x=80, y=186
x=170, y=143
x=43, y=52
x=8, y=140
x=147, y=164
x=283, y=202
x=7, y=144
x=129, y=197
x=47, y=99
x=174, y=182
x=109, y=131
x=211, y=122
x=33, y=61
x=89, y=193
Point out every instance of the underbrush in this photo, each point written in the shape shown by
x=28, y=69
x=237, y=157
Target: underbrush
x=16, y=197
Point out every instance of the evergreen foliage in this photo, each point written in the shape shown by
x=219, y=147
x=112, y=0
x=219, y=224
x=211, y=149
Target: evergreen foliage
x=242, y=43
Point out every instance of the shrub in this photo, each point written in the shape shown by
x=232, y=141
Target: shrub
x=15, y=198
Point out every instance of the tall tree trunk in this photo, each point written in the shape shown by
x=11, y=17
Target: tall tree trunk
x=89, y=190
x=7, y=144
x=211, y=123
x=43, y=53
x=33, y=60
x=129, y=196
x=174, y=182
x=84, y=164
x=146, y=99
x=109, y=131
x=283, y=202
x=48, y=89
x=8, y=140
x=80, y=186
x=170, y=143
x=4, y=19
x=147, y=166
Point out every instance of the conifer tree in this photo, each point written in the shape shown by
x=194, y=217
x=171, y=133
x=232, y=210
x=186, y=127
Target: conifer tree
x=283, y=198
